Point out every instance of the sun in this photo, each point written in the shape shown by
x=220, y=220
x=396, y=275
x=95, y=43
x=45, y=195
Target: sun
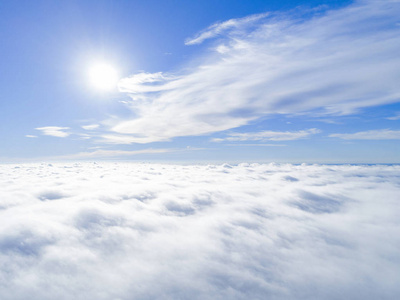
x=103, y=76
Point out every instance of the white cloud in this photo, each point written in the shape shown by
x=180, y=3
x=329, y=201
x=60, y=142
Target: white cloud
x=268, y=135
x=152, y=231
x=222, y=27
x=125, y=139
x=30, y=136
x=395, y=117
x=286, y=65
x=142, y=82
x=113, y=153
x=84, y=136
x=91, y=126
x=381, y=134
x=54, y=131
x=258, y=145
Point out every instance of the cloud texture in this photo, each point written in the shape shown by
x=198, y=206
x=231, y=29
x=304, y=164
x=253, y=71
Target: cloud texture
x=152, y=231
x=333, y=62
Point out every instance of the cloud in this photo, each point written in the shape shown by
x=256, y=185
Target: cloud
x=381, y=134
x=258, y=145
x=30, y=136
x=54, y=131
x=119, y=139
x=326, y=64
x=222, y=27
x=155, y=231
x=113, y=153
x=91, y=126
x=268, y=135
x=395, y=117
x=141, y=83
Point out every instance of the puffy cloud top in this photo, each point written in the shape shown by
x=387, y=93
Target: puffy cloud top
x=153, y=231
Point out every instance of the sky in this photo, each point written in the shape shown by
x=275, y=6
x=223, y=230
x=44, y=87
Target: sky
x=284, y=81
x=203, y=149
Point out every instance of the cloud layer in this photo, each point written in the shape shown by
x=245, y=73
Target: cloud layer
x=152, y=231
x=334, y=62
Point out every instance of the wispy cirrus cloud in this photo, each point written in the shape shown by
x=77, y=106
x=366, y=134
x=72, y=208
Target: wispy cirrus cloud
x=284, y=64
x=381, y=134
x=395, y=117
x=101, y=153
x=145, y=82
x=54, y=131
x=268, y=135
x=125, y=139
x=257, y=145
x=90, y=126
x=222, y=27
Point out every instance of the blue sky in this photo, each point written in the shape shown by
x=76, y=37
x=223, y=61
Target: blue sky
x=285, y=81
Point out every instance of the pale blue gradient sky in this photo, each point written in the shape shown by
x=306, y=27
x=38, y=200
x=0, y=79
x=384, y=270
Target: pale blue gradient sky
x=308, y=81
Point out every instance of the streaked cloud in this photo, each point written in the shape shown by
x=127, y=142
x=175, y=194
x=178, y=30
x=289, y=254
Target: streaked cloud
x=381, y=134
x=125, y=139
x=222, y=27
x=395, y=117
x=283, y=64
x=31, y=136
x=144, y=82
x=54, y=131
x=268, y=135
x=84, y=136
x=257, y=145
x=91, y=126
x=101, y=153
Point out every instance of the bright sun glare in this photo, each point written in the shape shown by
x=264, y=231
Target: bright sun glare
x=103, y=76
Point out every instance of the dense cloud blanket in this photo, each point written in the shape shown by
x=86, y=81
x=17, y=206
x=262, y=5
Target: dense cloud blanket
x=153, y=231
